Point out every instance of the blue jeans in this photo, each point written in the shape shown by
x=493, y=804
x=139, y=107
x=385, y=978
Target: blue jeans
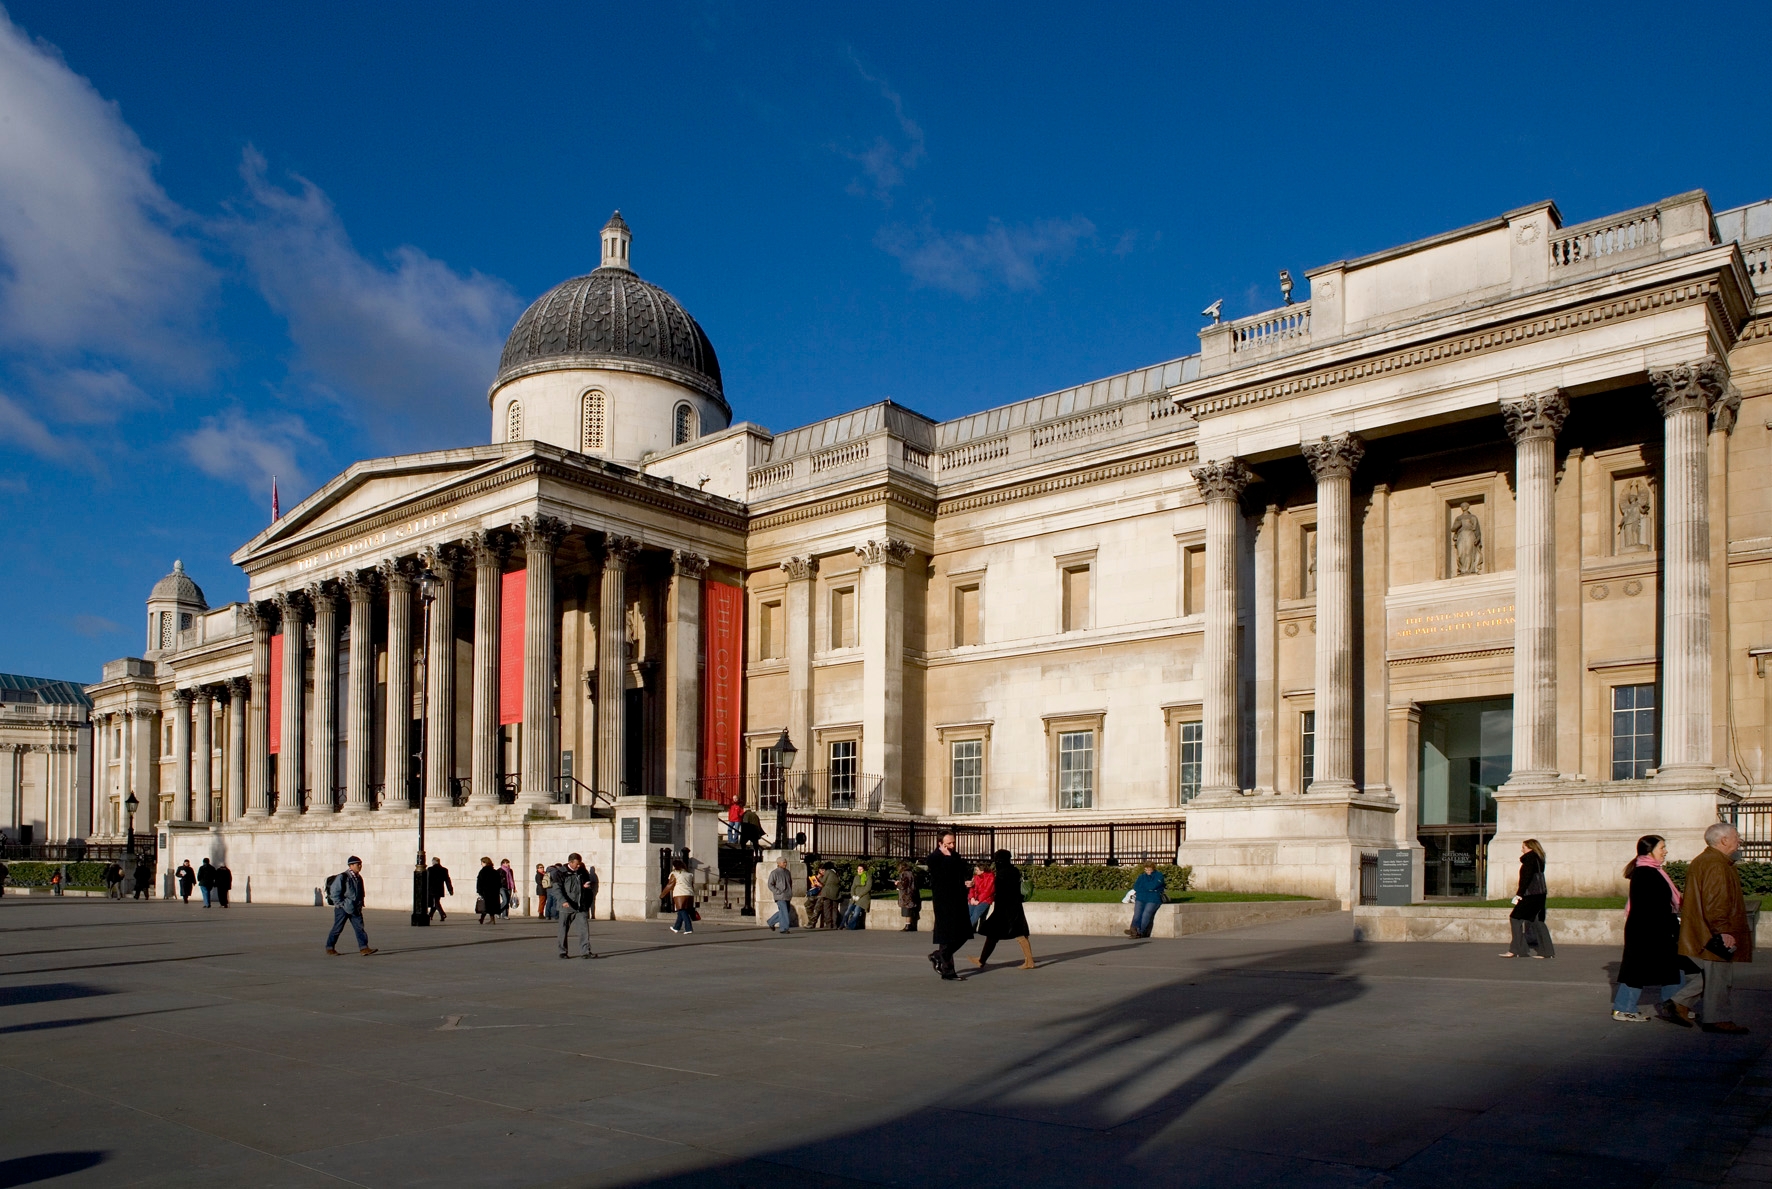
x=339, y=917
x=1627, y=998
x=686, y=919
x=206, y=892
x=1144, y=915
x=977, y=911
x=784, y=913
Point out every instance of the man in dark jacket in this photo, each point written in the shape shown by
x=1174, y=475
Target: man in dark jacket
x=577, y=886
x=224, y=879
x=344, y=892
x=144, y=876
x=187, y=879
x=437, y=885
x=1714, y=929
x=206, y=880
x=830, y=891
x=948, y=873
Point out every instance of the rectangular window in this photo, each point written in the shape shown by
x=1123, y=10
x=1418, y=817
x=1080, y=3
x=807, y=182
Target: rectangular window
x=1076, y=770
x=1307, y=750
x=1193, y=746
x=1193, y=590
x=1076, y=598
x=771, y=640
x=769, y=782
x=966, y=624
x=843, y=617
x=1633, y=731
x=842, y=774
x=968, y=783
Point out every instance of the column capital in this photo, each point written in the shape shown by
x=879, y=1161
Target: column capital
x=1222, y=480
x=489, y=546
x=320, y=594
x=540, y=532
x=799, y=569
x=239, y=688
x=182, y=698
x=359, y=585
x=261, y=615
x=1333, y=457
x=889, y=551
x=1537, y=416
x=688, y=565
x=291, y=604
x=443, y=560
x=396, y=574
x=1704, y=385
x=619, y=550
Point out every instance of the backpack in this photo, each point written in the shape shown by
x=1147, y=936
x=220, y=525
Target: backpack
x=335, y=889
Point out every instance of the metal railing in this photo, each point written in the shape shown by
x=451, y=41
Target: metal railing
x=809, y=792
x=1752, y=819
x=71, y=852
x=570, y=790
x=460, y=789
x=1112, y=843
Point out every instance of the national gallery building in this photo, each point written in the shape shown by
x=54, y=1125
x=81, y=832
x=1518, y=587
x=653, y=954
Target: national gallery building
x=1473, y=545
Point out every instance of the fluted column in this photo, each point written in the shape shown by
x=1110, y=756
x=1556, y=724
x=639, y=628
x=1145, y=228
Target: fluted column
x=203, y=761
x=397, y=770
x=801, y=629
x=612, y=659
x=291, y=745
x=181, y=755
x=1221, y=485
x=490, y=549
x=1688, y=396
x=238, y=688
x=541, y=536
x=360, y=710
x=683, y=673
x=1332, y=461
x=443, y=561
x=1533, y=422
x=323, y=764
x=881, y=615
x=258, y=736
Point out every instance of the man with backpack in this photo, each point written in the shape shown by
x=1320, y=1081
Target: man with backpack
x=576, y=885
x=344, y=892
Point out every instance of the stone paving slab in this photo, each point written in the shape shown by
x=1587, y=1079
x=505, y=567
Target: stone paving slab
x=159, y=1044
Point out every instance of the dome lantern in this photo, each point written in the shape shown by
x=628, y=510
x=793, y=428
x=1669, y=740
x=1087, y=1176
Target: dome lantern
x=616, y=239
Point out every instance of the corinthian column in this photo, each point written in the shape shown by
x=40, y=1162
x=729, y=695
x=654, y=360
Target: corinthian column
x=683, y=673
x=203, y=761
x=1332, y=461
x=258, y=736
x=1221, y=484
x=1687, y=396
x=323, y=767
x=612, y=660
x=1533, y=423
x=291, y=745
x=396, y=576
x=541, y=536
x=181, y=755
x=238, y=689
x=882, y=670
x=489, y=549
x=442, y=561
x=802, y=575
x=359, y=754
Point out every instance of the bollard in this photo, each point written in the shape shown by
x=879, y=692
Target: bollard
x=249, y=889
x=318, y=902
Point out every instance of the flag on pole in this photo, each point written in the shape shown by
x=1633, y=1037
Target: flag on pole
x=276, y=512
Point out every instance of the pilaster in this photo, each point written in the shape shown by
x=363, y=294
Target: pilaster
x=801, y=625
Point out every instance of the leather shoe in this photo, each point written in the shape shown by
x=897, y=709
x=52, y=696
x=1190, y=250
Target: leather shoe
x=366, y=951
x=332, y=951
x=1727, y=1027
x=1673, y=1013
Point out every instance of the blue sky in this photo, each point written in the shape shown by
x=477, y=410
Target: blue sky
x=238, y=240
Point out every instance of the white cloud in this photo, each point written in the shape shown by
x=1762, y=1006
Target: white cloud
x=95, y=260
x=410, y=344
x=251, y=450
x=19, y=427
x=1013, y=256
x=885, y=162
x=93, y=626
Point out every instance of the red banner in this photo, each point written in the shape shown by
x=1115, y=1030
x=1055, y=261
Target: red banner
x=513, y=591
x=276, y=692
x=722, y=721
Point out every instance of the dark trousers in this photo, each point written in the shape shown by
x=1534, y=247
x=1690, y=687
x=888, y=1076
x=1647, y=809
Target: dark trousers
x=339, y=917
x=574, y=921
x=1529, y=929
x=437, y=908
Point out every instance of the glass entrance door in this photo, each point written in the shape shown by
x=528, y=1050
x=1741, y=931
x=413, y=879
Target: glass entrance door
x=1466, y=754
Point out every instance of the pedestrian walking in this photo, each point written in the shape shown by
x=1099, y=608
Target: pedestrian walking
x=978, y=895
x=206, y=880
x=830, y=892
x=910, y=904
x=575, y=890
x=56, y=880
x=6, y=871
x=144, y=875
x=1529, y=929
x=544, y=894
x=346, y=894
x=948, y=873
x=1007, y=920
x=750, y=831
x=1714, y=930
x=489, y=890
x=1651, y=936
x=224, y=880
x=437, y=885
x=1147, y=896
x=781, y=890
x=734, y=819
x=187, y=880
x=861, y=898
x=680, y=887
x=113, y=877
x=510, y=877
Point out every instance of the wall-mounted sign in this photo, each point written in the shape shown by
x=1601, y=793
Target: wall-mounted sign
x=630, y=829
x=659, y=831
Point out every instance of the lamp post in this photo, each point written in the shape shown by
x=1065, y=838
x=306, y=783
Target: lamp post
x=130, y=805
x=421, y=900
x=785, y=751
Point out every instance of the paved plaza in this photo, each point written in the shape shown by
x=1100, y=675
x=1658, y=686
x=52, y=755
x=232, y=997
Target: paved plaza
x=158, y=1044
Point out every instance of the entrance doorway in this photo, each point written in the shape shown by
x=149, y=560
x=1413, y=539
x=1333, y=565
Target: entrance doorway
x=1466, y=754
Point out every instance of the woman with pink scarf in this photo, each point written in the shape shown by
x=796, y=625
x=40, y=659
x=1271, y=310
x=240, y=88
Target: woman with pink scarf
x=1651, y=936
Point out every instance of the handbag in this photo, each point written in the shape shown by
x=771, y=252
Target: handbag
x=479, y=906
x=695, y=914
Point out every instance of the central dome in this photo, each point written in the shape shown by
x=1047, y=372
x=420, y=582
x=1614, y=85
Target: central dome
x=611, y=318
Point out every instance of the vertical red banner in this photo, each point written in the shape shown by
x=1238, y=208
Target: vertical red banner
x=513, y=593
x=276, y=691
x=722, y=723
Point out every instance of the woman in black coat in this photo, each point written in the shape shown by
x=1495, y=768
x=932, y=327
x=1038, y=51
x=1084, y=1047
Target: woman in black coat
x=948, y=873
x=1527, y=918
x=489, y=886
x=1007, y=919
x=1651, y=936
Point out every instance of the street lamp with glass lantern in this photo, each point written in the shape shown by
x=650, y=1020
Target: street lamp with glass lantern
x=785, y=751
x=421, y=900
x=130, y=805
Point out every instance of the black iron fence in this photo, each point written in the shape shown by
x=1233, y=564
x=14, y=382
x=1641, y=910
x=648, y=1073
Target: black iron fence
x=1753, y=821
x=72, y=852
x=1112, y=843
x=815, y=791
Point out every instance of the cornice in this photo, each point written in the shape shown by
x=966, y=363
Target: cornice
x=884, y=493
x=1179, y=457
x=1758, y=328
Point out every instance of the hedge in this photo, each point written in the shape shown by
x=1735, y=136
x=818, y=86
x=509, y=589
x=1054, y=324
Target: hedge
x=1756, y=878
x=36, y=875
x=1068, y=876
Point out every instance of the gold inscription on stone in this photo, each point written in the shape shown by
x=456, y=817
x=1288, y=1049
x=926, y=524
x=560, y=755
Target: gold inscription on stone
x=1452, y=627
x=373, y=541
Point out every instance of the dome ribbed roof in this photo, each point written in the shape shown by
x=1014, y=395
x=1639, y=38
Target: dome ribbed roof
x=179, y=587
x=606, y=317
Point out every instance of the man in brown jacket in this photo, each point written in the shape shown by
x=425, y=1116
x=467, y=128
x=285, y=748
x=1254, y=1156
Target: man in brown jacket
x=1714, y=929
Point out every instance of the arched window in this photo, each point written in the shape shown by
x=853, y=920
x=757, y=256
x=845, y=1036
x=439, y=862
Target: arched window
x=514, y=422
x=591, y=428
x=685, y=425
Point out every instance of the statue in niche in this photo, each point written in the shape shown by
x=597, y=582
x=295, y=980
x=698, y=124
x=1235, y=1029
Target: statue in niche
x=1310, y=562
x=636, y=630
x=1633, y=518
x=1467, y=542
